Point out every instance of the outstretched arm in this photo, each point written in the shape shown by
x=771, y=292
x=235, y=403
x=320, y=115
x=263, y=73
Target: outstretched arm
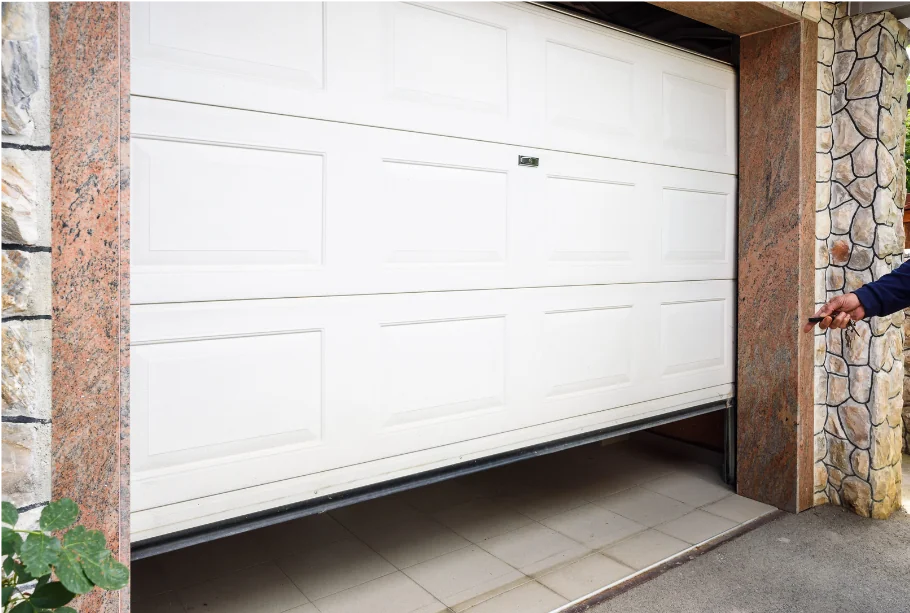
x=889, y=294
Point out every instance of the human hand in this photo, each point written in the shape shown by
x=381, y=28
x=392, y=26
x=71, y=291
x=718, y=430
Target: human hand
x=838, y=313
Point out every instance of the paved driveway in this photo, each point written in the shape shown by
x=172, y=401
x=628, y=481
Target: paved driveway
x=824, y=560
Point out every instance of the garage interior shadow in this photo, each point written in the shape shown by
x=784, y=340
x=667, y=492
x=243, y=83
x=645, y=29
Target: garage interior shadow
x=531, y=536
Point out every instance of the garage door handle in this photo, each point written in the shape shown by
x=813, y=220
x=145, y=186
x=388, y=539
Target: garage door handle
x=524, y=160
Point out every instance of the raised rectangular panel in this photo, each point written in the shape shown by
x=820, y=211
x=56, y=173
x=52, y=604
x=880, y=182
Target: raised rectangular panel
x=692, y=335
x=590, y=220
x=587, y=350
x=213, y=392
x=441, y=57
x=694, y=115
x=694, y=226
x=587, y=90
x=441, y=369
x=437, y=214
x=215, y=198
x=279, y=40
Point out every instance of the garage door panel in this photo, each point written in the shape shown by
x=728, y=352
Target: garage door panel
x=194, y=397
x=508, y=73
x=367, y=210
x=208, y=203
x=443, y=214
x=334, y=382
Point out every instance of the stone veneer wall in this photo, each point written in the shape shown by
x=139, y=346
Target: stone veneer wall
x=26, y=364
x=906, y=412
x=862, y=103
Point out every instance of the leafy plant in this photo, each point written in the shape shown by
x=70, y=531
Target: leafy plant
x=79, y=563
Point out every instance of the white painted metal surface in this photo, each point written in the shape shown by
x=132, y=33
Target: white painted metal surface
x=430, y=299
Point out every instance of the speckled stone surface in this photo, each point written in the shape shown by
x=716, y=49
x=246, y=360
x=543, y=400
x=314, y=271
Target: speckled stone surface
x=747, y=18
x=124, y=9
x=88, y=464
x=776, y=230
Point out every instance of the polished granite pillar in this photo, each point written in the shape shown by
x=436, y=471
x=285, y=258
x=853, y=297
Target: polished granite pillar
x=776, y=265
x=90, y=267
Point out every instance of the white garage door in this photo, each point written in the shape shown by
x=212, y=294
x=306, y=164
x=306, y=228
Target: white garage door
x=341, y=274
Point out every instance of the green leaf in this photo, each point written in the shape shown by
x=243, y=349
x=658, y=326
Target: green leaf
x=23, y=607
x=69, y=571
x=11, y=566
x=107, y=573
x=12, y=542
x=59, y=515
x=7, y=594
x=66, y=610
x=39, y=552
x=51, y=596
x=86, y=543
x=42, y=581
x=10, y=514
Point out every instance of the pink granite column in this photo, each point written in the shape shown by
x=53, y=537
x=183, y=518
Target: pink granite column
x=90, y=270
x=776, y=265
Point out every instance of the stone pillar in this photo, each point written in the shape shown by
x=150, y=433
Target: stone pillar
x=906, y=411
x=859, y=226
x=26, y=378
x=89, y=82
x=776, y=261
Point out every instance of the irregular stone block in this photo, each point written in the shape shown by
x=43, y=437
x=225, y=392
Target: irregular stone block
x=823, y=229
x=843, y=66
x=856, y=424
x=832, y=423
x=866, y=21
x=839, y=450
x=16, y=284
x=839, y=194
x=862, y=230
x=19, y=200
x=821, y=447
x=867, y=44
x=885, y=242
x=860, y=257
x=846, y=41
x=853, y=280
x=835, y=476
x=820, y=478
x=20, y=65
x=859, y=460
x=26, y=463
x=819, y=352
x=837, y=389
x=842, y=171
x=821, y=411
x=885, y=166
x=825, y=51
x=865, y=115
x=821, y=251
x=823, y=140
x=835, y=278
x=883, y=452
x=18, y=370
x=864, y=80
x=842, y=217
x=846, y=136
x=856, y=495
x=860, y=383
x=863, y=190
x=837, y=102
x=822, y=166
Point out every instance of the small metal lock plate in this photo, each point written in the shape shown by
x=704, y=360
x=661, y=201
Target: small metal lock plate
x=524, y=160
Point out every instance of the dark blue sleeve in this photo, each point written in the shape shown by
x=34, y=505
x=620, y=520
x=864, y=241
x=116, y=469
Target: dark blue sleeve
x=889, y=294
